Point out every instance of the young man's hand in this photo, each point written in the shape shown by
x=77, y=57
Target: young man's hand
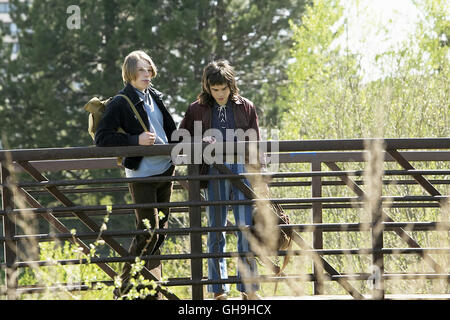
x=209, y=139
x=147, y=138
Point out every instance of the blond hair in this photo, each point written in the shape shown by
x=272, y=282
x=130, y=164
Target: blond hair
x=129, y=67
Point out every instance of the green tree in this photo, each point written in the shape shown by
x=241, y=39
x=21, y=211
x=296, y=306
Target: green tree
x=321, y=81
x=58, y=69
x=252, y=35
x=328, y=96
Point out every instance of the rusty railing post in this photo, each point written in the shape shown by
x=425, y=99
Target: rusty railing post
x=9, y=229
x=195, y=221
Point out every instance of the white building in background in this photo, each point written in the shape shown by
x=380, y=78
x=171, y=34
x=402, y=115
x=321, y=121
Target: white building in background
x=11, y=26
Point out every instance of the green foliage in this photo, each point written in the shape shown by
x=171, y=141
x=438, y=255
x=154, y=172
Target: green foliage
x=329, y=98
x=58, y=69
x=57, y=275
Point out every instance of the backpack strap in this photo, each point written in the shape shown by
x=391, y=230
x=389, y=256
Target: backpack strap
x=135, y=111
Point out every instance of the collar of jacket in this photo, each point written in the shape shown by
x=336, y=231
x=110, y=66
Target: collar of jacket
x=236, y=104
x=234, y=100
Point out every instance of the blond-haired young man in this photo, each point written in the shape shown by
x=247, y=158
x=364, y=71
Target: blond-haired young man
x=138, y=70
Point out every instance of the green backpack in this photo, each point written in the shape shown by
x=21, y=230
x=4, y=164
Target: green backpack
x=96, y=108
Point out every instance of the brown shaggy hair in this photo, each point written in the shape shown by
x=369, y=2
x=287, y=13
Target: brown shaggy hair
x=217, y=73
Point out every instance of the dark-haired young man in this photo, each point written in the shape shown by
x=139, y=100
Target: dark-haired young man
x=219, y=106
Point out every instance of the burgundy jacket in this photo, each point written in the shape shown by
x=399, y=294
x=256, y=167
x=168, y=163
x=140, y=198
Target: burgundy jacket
x=244, y=111
x=245, y=117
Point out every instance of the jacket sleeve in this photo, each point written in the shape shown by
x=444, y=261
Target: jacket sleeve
x=253, y=123
x=253, y=120
x=187, y=122
x=106, y=134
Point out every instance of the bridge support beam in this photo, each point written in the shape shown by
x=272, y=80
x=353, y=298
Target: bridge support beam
x=195, y=219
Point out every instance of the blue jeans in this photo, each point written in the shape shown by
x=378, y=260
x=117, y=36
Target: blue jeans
x=217, y=217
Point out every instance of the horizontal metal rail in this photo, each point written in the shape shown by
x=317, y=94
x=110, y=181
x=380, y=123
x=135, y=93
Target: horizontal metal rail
x=326, y=227
x=108, y=208
x=352, y=205
x=77, y=286
x=280, y=184
x=281, y=146
x=268, y=175
x=190, y=256
x=290, y=157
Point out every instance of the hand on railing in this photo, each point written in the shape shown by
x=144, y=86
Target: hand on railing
x=209, y=139
x=147, y=138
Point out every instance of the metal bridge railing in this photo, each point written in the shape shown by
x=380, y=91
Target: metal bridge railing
x=21, y=198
